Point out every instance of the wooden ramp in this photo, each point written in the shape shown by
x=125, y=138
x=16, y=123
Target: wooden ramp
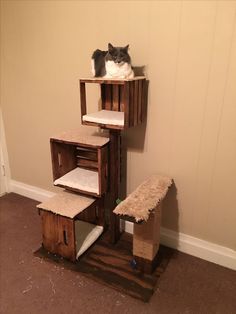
x=112, y=265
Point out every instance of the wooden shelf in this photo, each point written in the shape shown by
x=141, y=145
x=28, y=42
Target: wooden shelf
x=67, y=204
x=126, y=96
x=103, y=80
x=71, y=223
x=85, y=140
x=80, y=163
x=81, y=180
x=105, y=118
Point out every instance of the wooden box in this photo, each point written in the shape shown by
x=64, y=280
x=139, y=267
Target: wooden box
x=123, y=102
x=80, y=163
x=61, y=218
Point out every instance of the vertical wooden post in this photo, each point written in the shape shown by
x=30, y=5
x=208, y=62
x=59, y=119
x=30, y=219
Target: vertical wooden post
x=83, y=99
x=126, y=104
x=114, y=184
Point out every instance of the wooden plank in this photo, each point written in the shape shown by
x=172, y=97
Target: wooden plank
x=49, y=230
x=103, y=95
x=88, y=164
x=88, y=214
x=66, y=238
x=102, y=170
x=114, y=184
x=95, y=213
x=115, y=97
x=111, y=266
x=91, y=154
x=108, y=97
x=131, y=104
x=140, y=91
x=144, y=99
x=126, y=104
x=83, y=99
x=58, y=234
x=121, y=97
x=63, y=158
x=102, y=80
x=104, y=126
x=146, y=266
x=136, y=86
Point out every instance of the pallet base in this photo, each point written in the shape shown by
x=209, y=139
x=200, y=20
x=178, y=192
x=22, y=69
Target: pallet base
x=112, y=265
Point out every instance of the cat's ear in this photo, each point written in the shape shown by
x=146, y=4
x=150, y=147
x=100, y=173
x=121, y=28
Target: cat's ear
x=110, y=47
x=126, y=48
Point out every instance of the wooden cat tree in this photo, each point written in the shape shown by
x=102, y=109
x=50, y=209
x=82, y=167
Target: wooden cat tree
x=88, y=170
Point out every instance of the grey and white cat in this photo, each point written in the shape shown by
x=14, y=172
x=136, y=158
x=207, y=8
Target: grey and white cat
x=114, y=63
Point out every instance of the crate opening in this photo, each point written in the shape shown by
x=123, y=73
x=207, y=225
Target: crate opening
x=85, y=235
x=80, y=179
x=107, y=117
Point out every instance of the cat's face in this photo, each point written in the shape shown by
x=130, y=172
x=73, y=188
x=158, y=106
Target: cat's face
x=118, y=54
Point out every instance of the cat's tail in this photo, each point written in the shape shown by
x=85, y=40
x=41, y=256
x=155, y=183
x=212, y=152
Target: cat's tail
x=98, y=63
x=98, y=54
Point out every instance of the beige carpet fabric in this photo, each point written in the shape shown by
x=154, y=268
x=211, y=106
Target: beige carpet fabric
x=66, y=204
x=78, y=138
x=145, y=198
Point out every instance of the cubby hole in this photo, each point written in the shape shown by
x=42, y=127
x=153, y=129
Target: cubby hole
x=80, y=168
x=121, y=103
x=71, y=223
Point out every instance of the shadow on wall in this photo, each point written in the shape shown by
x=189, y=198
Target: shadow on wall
x=170, y=214
x=135, y=137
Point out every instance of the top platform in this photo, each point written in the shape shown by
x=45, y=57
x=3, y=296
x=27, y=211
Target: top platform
x=103, y=80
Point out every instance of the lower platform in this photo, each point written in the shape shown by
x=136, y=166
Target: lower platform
x=112, y=265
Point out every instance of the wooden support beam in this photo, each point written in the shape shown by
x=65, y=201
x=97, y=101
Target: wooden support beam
x=114, y=183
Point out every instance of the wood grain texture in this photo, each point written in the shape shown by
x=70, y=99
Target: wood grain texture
x=63, y=158
x=103, y=169
x=131, y=104
x=126, y=104
x=83, y=99
x=58, y=234
x=114, y=184
x=104, y=126
x=136, y=101
x=111, y=266
x=115, y=97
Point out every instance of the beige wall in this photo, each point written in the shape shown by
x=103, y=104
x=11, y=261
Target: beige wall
x=189, y=49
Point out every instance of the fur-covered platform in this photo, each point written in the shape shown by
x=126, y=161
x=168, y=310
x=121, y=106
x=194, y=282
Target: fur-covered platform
x=145, y=198
x=111, y=265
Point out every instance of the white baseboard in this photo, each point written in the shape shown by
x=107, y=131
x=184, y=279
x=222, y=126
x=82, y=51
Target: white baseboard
x=30, y=191
x=182, y=242
x=193, y=246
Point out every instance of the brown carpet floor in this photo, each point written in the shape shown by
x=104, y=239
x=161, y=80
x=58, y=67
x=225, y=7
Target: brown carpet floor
x=29, y=284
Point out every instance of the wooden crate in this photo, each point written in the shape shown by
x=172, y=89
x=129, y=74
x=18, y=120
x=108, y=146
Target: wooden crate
x=123, y=103
x=58, y=234
x=59, y=216
x=83, y=159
